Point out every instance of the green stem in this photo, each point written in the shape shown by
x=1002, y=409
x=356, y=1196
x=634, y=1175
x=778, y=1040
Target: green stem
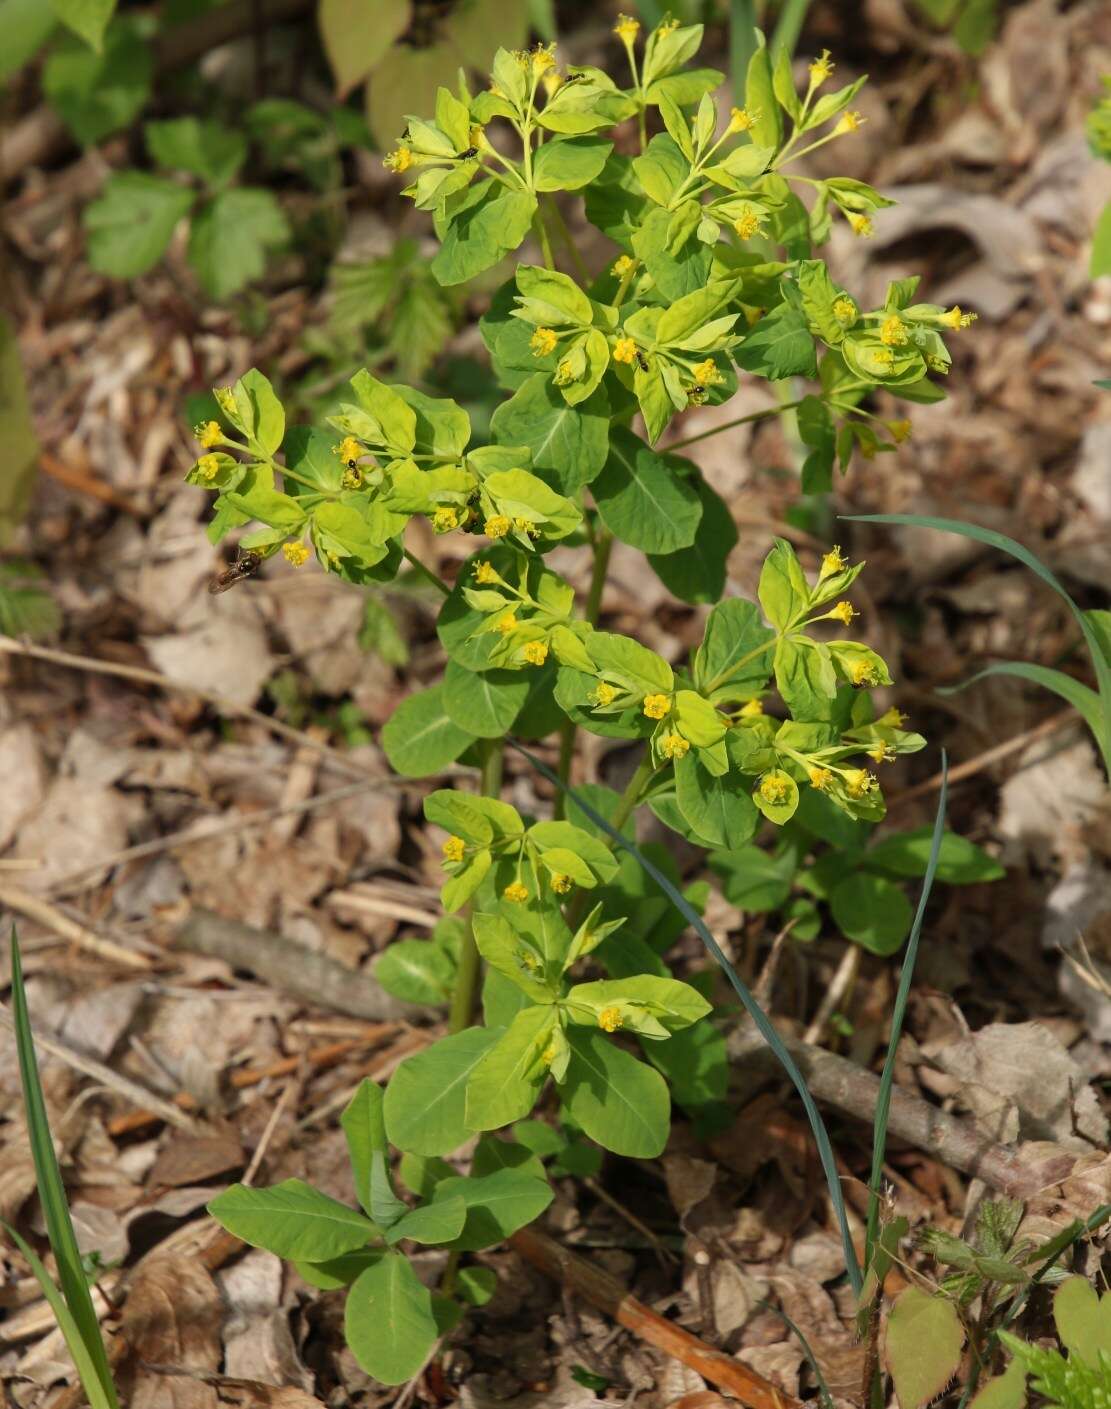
x=603, y=546
x=634, y=790
x=465, y=993
x=436, y=580
x=728, y=426
x=568, y=239
x=545, y=243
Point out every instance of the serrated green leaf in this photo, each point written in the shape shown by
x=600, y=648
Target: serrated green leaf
x=923, y=1348
x=232, y=237
x=130, y=225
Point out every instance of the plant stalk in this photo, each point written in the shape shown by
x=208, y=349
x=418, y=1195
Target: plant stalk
x=464, y=997
x=603, y=546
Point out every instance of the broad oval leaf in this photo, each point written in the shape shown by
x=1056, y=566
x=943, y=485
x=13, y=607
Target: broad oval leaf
x=390, y=1321
x=293, y=1220
x=642, y=498
x=621, y=1103
x=420, y=737
x=425, y=1105
x=923, y=1349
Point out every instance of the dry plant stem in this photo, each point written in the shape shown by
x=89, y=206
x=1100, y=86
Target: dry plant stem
x=82, y=482
x=43, y=913
x=291, y=967
x=221, y=703
x=834, y=999
x=608, y=1295
x=849, y=1088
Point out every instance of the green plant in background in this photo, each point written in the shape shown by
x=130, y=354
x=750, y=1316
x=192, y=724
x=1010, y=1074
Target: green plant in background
x=560, y=927
x=1099, y=139
x=972, y=23
x=69, y=1298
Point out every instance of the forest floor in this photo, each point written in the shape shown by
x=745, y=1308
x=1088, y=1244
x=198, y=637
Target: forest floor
x=175, y=756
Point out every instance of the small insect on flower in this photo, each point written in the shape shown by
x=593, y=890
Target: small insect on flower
x=399, y=160
x=861, y=225
x=209, y=434
x=454, y=849
x=626, y=28
x=468, y=155
x=444, y=520
x=497, y=526
x=747, y=225
x=535, y=652
x=752, y=709
x=642, y=361
x=542, y=342
x=485, y=573
x=561, y=883
x=850, y=122
x=348, y=450
x=900, y=431
x=775, y=788
x=657, y=706
x=623, y=266
x=863, y=672
x=603, y=693
x=820, y=778
x=821, y=69
x=609, y=1019
x=296, y=554
x=893, y=332
x=844, y=310
x=674, y=746
x=844, y=611
x=244, y=566
x=833, y=561
x=352, y=479
x=515, y=892
x=624, y=350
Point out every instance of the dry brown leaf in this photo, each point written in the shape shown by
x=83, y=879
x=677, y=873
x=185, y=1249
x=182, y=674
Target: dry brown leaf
x=172, y=1317
x=192, y=1159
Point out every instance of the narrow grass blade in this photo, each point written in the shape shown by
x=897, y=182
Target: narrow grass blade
x=87, y=1372
x=1080, y=696
x=752, y=1007
x=52, y=1194
x=792, y=17
x=898, y=1013
x=989, y=536
x=743, y=21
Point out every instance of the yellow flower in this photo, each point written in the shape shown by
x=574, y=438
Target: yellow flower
x=859, y=782
x=741, y=120
x=881, y=752
x=497, y=526
x=821, y=69
x=861, y=225
x=893, y=331
x=844, y=310
x=752, y=709
x=523, y=525
x=843, y=611
x=900, y=431
x=956, y=319
x=543, y=58
x=515, y=892
x=833, y=561
x=564, y=372
x=399, y=160
x=548, y=1055
x=707, y=373
x=626, y=28
x=352, y=479
x=535, y=652
x=348, y=449
x=561, y=883
x=850, y=122
x=604, y=693
x=454, y=848
x=820, y=778
x=892, y=719
x=667, y=26
x=775, y=788
x=444, y=520
x=674, y=746
x=295, y=553
x=657, y=706
x=208, y=467
x=623, y=266
x=477, y=135
x=542, y=342
x=209, y=433
x=484, y=573
x=609, y=1019
x=507, y=624
x=624, y=350
x=225, y=399
x=748, y=225
x=863, y=672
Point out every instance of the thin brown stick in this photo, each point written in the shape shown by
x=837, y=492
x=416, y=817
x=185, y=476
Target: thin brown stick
x=43, y=913
x=608, y=1295
x=82, y=482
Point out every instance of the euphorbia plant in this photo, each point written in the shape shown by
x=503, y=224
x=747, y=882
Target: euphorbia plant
x=713, y=271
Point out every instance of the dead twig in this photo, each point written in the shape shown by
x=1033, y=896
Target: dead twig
x=43, y=913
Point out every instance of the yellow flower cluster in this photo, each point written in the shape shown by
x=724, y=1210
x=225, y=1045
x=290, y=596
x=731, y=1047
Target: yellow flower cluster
x=535, y=652
x=747, y=225
x=820, y=778
x=626, y=28
x=893, y=332
x=861, y=225
x=623, y=266
x=844, y=310
x=707, y=373
x=775, y=788
x=844, y=611
x=561, y=883
x=859, y=782
x=209, y=433
x=295, y=553
x=454, y=848
x=604, y=693
x=515, y=892
x=444, y=520
x=674, y=746
x=485, y=574
x=609, y=1019
x=496, y=526
x=507, y=624
x=657, y=706
x=542, y=342
x=850, y=122
x=399, y=160
x=208, y=467
x=821, y=69
x=741, y=120
x=900, y=431
x=956, y=319
x=624, y=350
x=863, y=672
x=833, y=561
x=348, y=449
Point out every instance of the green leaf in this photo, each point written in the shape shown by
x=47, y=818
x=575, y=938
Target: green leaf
x=337, y=1272
x=293, y=1220
x=130, y=224
x=425, y=1105
x=780, y=345
x=641, y=498
x=569, y=444
x=497, y=1204
x=260, y=413
x=695, y=1063
x=1083, y=1319
x=80, y=1324
x=26, y=25
x=484, y=703
x=87, y=18
x=718, y=810
x=97, y=94
x=760, y=99
x=506, y=1082
x=804, y=676
x=754, y=879
x=416, y=971
x=490, y=221
x=365, y=1131
x=593, y=855
x=206, y=149
x=420, y=737
x=513, y=955
x=696, y=574
x=1005, y=1391
x=620, y=1103
x=231, y=237
x=569, y=163
x=734, y=659
x=923, y=1348
x=661, y=168
x=872, y=911
x=960, y=862
x=357, y=37
x=477, y=1284
x=439, y=1222
x=648, y=1004
x=389, y=1320
x=441, y=428
x=1100, y=262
